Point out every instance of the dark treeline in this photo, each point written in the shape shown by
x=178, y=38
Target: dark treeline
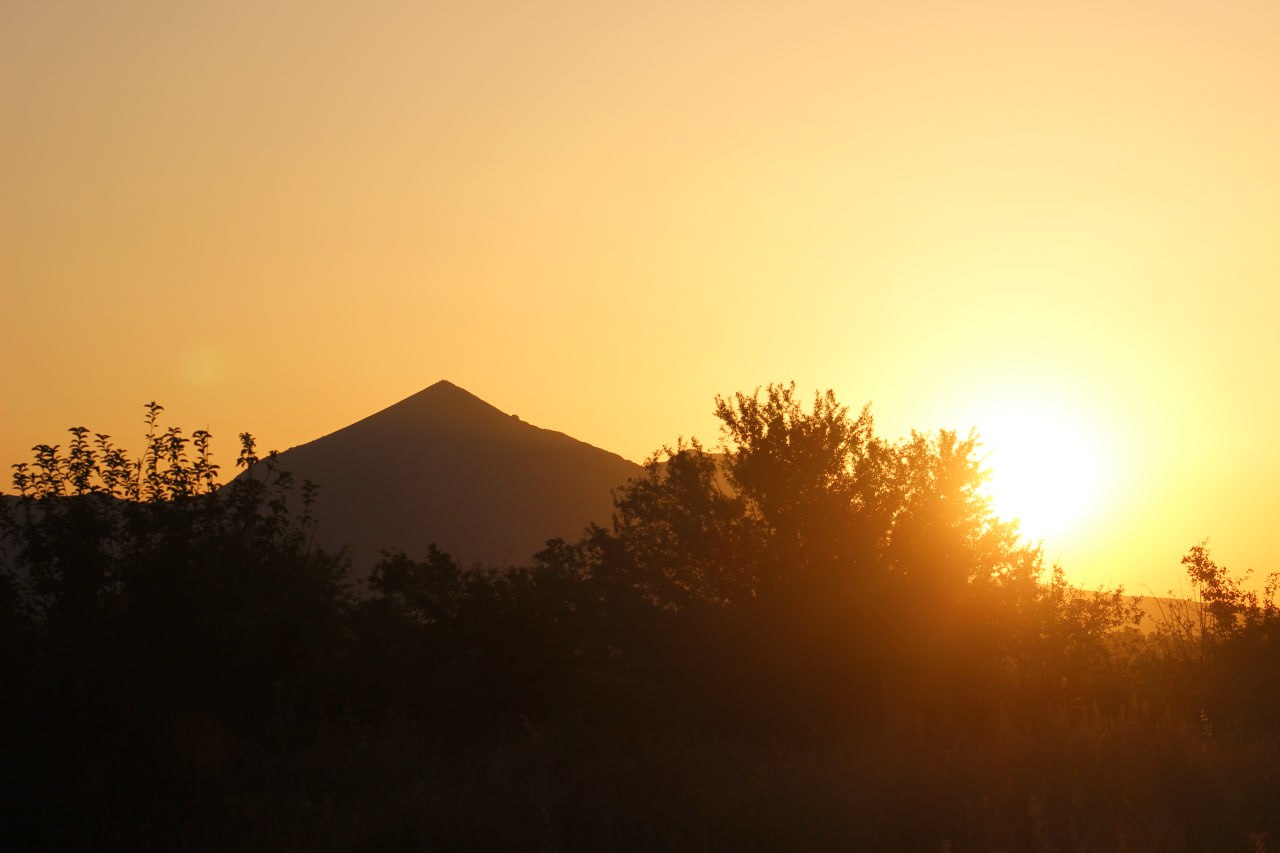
x=813, y=638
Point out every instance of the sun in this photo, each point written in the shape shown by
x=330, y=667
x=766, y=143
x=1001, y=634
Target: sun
x=1048, y=469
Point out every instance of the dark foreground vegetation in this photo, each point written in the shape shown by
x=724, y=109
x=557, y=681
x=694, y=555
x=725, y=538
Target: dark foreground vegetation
x=817, y=640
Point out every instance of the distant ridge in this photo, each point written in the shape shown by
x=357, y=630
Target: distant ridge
x=444, y=466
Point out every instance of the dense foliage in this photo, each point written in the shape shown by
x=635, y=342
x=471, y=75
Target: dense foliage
x=812, y=638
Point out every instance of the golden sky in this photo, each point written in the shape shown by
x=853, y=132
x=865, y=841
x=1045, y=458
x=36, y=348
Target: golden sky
x=1055, y=219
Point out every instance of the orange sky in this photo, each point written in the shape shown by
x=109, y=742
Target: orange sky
x=281, y=217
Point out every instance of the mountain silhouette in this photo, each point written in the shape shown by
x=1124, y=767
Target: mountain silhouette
x=444, y=466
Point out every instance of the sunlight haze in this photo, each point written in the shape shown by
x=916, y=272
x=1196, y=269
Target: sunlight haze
x=1053, y=222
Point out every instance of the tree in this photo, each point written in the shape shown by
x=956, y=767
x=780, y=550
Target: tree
x=1220, y=643
x=680, y=538
x=161, y=603
x=812, y=493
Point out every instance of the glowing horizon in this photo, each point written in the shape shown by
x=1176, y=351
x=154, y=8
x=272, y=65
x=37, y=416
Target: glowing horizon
x=281, y=219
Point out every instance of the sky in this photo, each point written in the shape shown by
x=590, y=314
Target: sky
x=1057, y=222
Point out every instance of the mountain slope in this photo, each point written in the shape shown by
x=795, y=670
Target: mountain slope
x=444, y=466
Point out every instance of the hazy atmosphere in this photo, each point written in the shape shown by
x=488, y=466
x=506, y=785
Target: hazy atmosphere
x=703, y=427
x=1055, y=222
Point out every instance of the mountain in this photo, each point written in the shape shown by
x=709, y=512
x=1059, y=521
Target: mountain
x=444, y=466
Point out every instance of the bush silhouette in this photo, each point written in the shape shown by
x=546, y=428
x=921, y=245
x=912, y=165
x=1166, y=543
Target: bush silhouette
x=809, y=636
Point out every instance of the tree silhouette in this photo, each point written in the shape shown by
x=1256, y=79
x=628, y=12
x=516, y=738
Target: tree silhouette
x=178, y=623
x=808, y=617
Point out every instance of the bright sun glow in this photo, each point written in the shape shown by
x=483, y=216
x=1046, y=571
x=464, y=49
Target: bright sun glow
x=1048, y=470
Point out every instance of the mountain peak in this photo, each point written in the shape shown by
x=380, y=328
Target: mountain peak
x=440, y=402
x=443, y=386
x=441, y=407
x=444, y=466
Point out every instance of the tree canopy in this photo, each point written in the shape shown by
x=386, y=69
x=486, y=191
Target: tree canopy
x=180, y=662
